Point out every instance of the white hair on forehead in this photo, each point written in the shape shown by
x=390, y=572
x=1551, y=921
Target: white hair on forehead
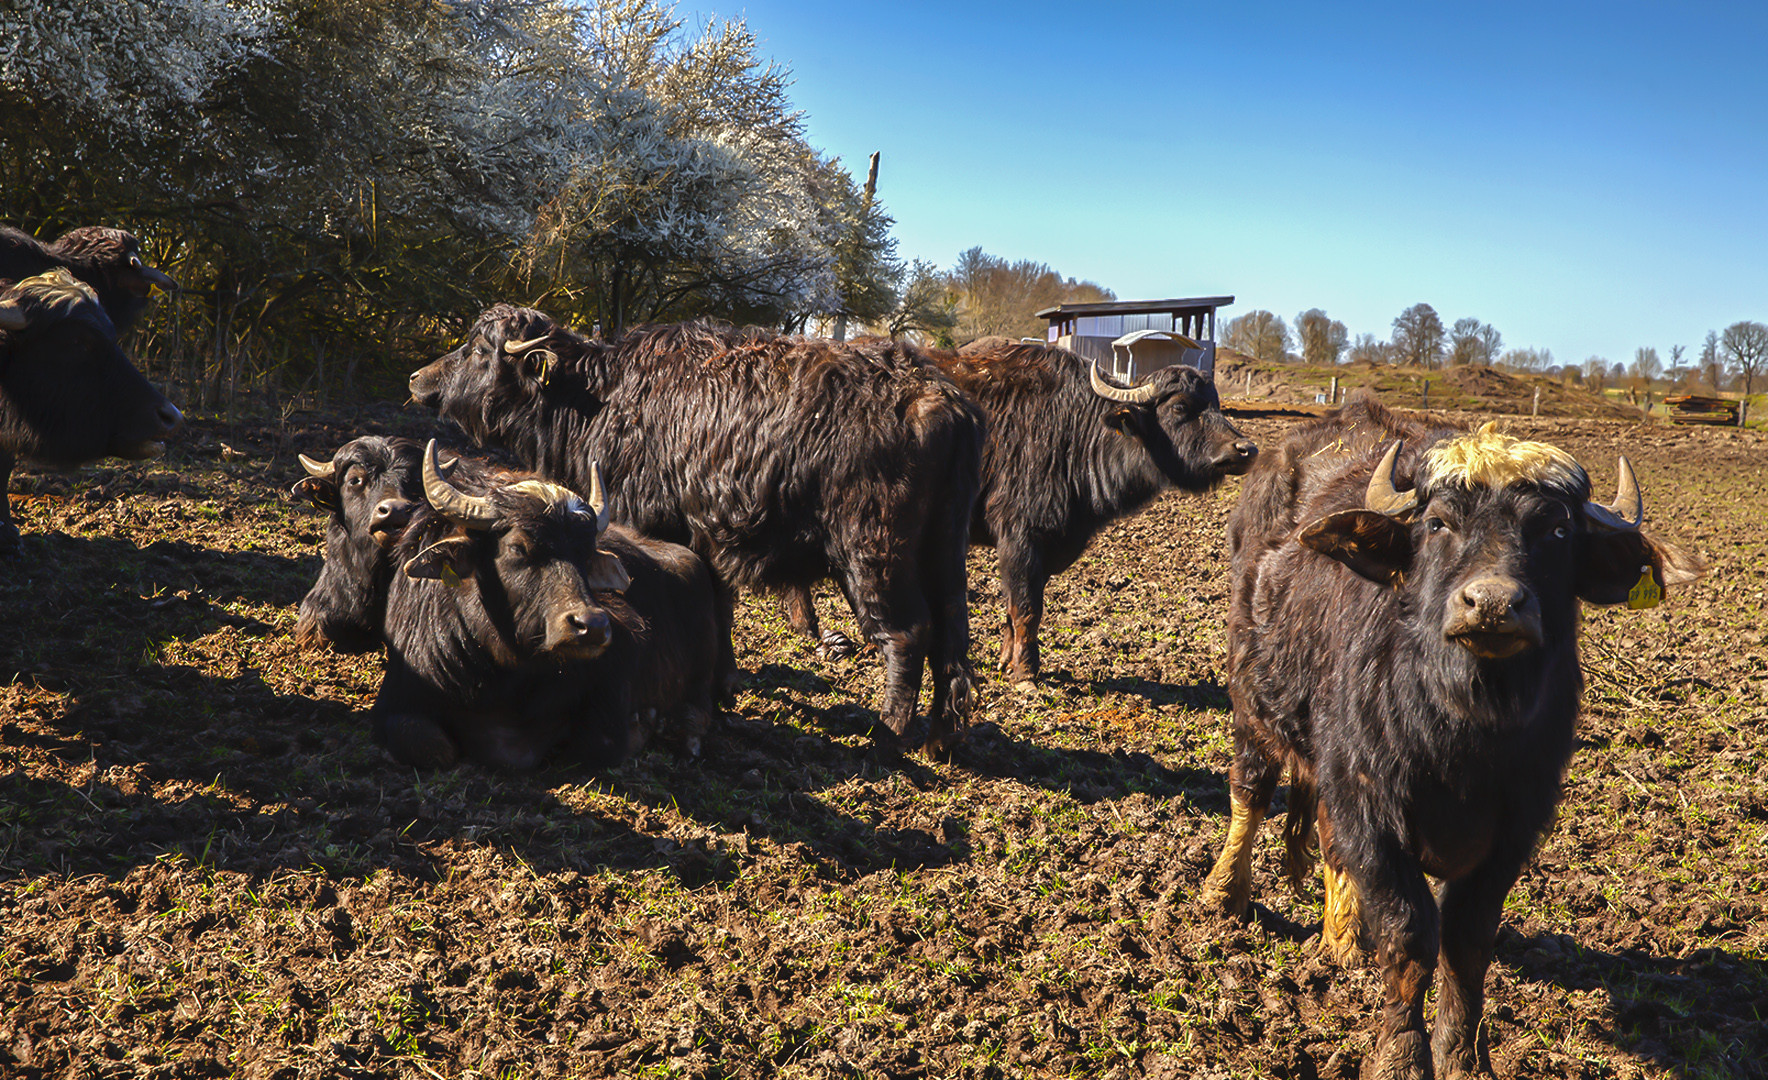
x=1490, y=458
x=55, y=290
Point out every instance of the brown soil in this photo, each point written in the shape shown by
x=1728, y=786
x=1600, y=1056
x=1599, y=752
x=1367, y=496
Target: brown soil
x=207, y=869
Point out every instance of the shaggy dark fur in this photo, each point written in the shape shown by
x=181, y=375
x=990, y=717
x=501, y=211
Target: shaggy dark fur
x=780, y=460
x=109, y=260
x=377, y=484
x=1062, y=462
x=68, y=395
x=655, y=678
x=1418, y=675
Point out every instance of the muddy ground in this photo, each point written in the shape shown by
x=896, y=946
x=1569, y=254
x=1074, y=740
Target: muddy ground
x=208, y=869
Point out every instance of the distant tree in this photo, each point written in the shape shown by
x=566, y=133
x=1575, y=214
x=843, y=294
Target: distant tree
x=1464, y=342
x=1596, y=373
x=1260, y=335
x=926, y=309
x=1676, y=373
x=1322, y=339
x=1491, y=341
x=1646, y=365
x=1712, y=364
x=995, y=296
x=1366, y=349
x=1745, y=345
x=1418, y=336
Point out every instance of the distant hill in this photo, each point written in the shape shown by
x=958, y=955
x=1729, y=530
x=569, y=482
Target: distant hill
x=1469, y=389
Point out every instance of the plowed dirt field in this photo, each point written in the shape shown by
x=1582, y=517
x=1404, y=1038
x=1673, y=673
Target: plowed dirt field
x=208, y=869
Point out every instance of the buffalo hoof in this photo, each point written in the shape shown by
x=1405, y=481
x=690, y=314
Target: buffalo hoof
x=834, y=645
x=418, y=742
x=1406, y=1056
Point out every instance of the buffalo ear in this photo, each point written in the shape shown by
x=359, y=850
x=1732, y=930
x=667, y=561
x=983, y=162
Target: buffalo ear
x=605, y=572
x=1122, y=421
x=1610, y=563
x=320, y=493
x=1374, y=545
x=446, y=560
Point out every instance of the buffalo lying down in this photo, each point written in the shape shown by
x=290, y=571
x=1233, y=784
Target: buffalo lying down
x=1403, y=639
x=68, y=395
x=470, y=671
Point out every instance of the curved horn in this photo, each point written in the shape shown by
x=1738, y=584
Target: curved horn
x=473, y=511
x=160, y=278
x=1380, y=495
x=514, y=347
x=1628, y=509
x=13, y=317
x=597, y=501
x=1135, y=395
x=319, y=470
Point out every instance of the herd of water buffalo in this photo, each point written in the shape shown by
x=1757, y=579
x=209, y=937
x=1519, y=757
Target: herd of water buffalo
x=1403, y=623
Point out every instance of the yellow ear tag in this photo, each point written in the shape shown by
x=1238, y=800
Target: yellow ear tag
x=1645, y=594
x=452, y=579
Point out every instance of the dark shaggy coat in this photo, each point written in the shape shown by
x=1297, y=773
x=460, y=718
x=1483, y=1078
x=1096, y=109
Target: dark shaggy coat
x=1416, y=671
x=108, y=260
x=780, y=460
x=68, y=395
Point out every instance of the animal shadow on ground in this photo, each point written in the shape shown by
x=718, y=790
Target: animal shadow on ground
x=1696, y=1015
x=1088, y=776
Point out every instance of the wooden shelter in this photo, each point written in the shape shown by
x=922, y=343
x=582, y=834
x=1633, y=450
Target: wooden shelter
x=1134, y=337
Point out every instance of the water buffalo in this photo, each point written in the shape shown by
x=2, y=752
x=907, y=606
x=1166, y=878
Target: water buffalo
x=68, y=395
x=1068, y=452
x=780, y=460
x=1403, y=639
x=107, y=260
x=519, y=622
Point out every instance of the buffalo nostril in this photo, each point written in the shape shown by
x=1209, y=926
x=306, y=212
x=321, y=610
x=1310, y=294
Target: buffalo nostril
x=170, y=417
x=1246, y=448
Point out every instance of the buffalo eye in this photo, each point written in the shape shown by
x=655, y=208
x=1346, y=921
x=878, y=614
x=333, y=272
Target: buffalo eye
x=1561, y=531
x=1434, y=525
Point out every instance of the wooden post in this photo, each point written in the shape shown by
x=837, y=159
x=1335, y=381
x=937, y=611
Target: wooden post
x=1646, y=415
x=1535, y=409
x=1424, y=395
x=1743, y=410
x=1334, y=398
x=1249, y=386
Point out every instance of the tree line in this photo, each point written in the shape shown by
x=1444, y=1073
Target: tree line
x=1730, y=359
x=340, y=185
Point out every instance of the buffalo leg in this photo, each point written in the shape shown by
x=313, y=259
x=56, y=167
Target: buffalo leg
x=1252, y=782
x=724, y=617
x=801, y=613
x=1022, y=580
x=893, y=613
x=415, y=740
x=948, y=601
x=1342, y=927
x=1401, y=915
x=1471, y=909
x=9, y=538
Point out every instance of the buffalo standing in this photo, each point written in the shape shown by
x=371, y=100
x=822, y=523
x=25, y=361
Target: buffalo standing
x=68, y=395
x=1403, y=639
x=779, y=460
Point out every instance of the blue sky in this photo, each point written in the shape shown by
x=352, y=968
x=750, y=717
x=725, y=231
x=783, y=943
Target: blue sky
x=1588, y=178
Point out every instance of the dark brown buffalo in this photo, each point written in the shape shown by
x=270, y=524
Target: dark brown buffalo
x=780, y=460
x=1403, y=639
x=512, y=638
x=68, y=395
x=369, y=488
x=1069, y=451
x=107, y=260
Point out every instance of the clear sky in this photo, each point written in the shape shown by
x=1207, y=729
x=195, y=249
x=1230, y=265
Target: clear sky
x=1588, y=178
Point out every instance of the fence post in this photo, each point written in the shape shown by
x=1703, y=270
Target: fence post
x=1334, y=390
x=1535, y=410
x=1249, y=385
x=1424, y=394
